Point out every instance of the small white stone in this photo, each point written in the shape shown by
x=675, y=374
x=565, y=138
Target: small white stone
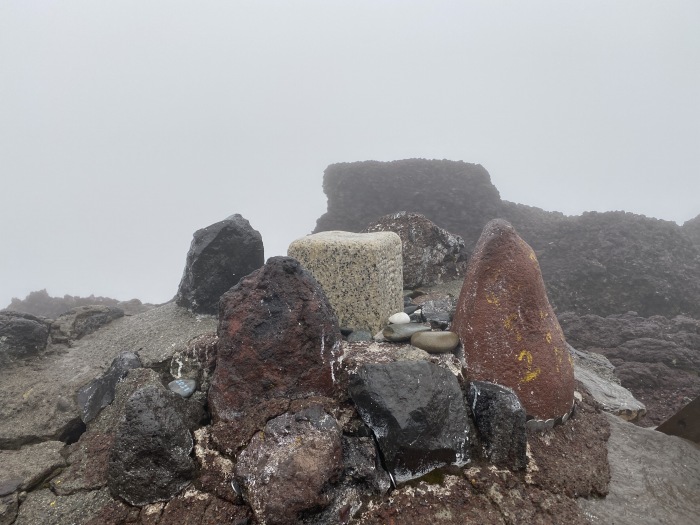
x=578, y=396
x=399, y=318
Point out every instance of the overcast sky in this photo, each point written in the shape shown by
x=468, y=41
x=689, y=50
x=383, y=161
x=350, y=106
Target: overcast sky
x=127, y=125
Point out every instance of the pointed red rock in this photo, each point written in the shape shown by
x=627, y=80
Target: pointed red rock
x=508, y=328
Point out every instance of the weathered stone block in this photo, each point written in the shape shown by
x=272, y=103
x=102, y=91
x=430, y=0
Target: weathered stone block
x=361, y=273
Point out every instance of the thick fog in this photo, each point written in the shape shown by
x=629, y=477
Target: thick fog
x=127, y=125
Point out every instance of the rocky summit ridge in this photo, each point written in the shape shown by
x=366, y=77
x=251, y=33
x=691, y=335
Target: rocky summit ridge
x=270, y=410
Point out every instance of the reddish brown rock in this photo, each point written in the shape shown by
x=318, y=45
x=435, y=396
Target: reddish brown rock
x=278, y=338
x=508, y=328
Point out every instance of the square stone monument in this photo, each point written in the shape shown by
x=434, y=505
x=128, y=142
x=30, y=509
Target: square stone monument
x=361, y=273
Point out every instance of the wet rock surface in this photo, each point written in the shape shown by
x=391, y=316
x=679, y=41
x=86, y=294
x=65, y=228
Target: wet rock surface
x=278, y=338
x=416, y=411
x=431, y=254
x=99, y=393
x=645, y=468
x=38, y=399
x=507, y=327
x=286, y=467
x=500, y=423
x=150, y=457
x=220, y=255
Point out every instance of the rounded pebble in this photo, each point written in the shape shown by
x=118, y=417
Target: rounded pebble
x=399, y=318
x=435, y=342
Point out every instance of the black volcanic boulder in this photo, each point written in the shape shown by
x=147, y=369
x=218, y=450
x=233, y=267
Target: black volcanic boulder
x=278, y=338
x=81, y=321
x=150, y=458
x=417, y=413
x=500, y=421
x=220, y=256
x=21, y=335
x=431, y=255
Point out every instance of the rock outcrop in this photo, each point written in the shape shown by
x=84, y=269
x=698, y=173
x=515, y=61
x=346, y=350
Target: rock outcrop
x=278, y=338
x=431, y=255
x=41, y=304
x=600, y=263
x=656, y=358
x=81, y=321
x=508, y=328
x=21, y=336
x=220, y=255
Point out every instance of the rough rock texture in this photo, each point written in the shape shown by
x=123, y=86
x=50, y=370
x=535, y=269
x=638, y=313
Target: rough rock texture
x=37, y=400
x=150, y=457
x=197, y=361
x=655, y=478
x=21, y=336
x=99, y=393
x=656, y=358
x=600, y=263
x=278, y=338
x=361, y=274
x=431, y=254
x=417, y=413
x=285, y=470
x=44, y=507
x=508, y=328
x=9, y=505
x=220, y=255
x=691, y=229
x=685, y=423
x=81, y=321
x=25, y=468
x=500, y=422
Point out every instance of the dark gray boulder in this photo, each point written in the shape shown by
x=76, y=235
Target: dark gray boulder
x=431, y=255
x=99, y=393
x=21, y=336
x=417, y=413
x=220, y=256
x=150, y=458
x=500, y=422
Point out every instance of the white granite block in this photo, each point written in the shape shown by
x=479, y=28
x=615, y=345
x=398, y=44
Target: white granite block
x=361, y=273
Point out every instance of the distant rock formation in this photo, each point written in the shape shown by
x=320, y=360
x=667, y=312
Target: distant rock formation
x=600, y=263
x=41, y=304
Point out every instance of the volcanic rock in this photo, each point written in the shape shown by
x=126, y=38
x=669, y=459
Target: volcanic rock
x=508, y=328
x=220, y=255
x=81, y=321
x=43, y=506
x=21, y=336
x=500, y=421
x=417, y=413
x=304, y=451
x=278, y=338
x=99, y=393
x=431, y=254
x=25, y=468
x=685, y=423
x=150, y=458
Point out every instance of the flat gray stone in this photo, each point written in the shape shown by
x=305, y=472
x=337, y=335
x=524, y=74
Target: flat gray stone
x=183, y=387
x=397, y=333
x=655, y=479
x=435, y=342
x=26, y=468
x=613, y=397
